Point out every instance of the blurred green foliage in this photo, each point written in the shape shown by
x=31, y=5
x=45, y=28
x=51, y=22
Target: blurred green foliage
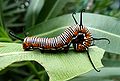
x=20, y=20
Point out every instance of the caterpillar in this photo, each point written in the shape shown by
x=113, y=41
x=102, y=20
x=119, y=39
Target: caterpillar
x=78, y=35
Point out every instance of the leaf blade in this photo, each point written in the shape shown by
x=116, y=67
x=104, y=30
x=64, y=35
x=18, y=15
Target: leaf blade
x=105, y=75
x=33, y=12
x=59, y=66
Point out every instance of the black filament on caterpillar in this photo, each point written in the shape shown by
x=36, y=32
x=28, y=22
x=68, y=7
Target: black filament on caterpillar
x=78, y=35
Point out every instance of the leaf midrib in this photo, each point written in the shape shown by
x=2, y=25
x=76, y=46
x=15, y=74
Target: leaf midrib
x=13, y=53
x=104, y=32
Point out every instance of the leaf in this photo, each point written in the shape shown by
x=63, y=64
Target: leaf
x=14, y=11
x=108, y=71
x=60, y=66
x=33, y=12
x=106, y=74
x=111, y=63
x=51, y=9
x=57, y=7
x=1, y=15
x=3, y=35
x=11, y=13
x=99, y=26
x=91, y=79
x=10, y=6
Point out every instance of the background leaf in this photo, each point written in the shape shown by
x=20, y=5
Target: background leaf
x=12, y=15
x=2, y=24
x=33, y=12
x=60, y=66
x=107, y=74
x=3, y=34
x=51, y=9
x=57, y=7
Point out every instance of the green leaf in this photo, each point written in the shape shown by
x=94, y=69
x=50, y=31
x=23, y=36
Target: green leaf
x=14, y=11
x=106, y=74
x=11, y=13
x=3, y=35
x=111, y=63
x=33, y=12
x=57, y=7
x=60, y=66
x=1, y=15
x=10, y=6
x=91, y=79
x=99, y=26
x=51, y=9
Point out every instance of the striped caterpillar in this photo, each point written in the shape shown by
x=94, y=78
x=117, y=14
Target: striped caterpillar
x=78, y=35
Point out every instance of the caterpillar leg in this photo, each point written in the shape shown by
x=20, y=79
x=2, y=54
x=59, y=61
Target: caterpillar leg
x=27, y=49
x=41, y=50
x=30, y=48
x=54, y=50
x=66, y=49
x=93, y=43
